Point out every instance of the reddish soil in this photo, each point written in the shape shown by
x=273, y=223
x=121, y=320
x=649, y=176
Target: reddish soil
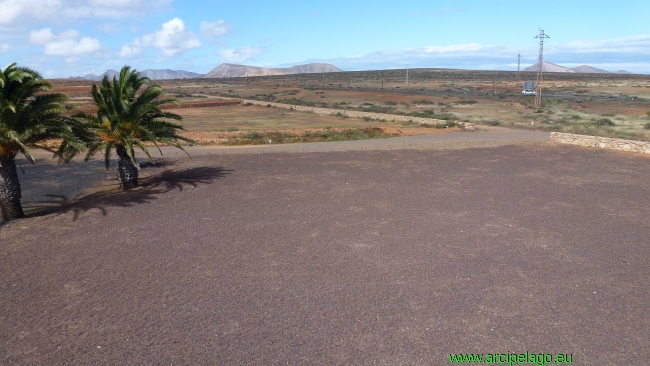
x=211, y=137
x=613, y=107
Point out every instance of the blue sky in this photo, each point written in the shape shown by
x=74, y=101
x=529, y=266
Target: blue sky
x=62, y=38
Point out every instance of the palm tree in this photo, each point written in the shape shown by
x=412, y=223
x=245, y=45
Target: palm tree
x=27, y=118
x=126, y=119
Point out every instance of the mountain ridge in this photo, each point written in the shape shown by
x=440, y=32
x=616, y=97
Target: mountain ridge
x=224, y=70
x=585, y=69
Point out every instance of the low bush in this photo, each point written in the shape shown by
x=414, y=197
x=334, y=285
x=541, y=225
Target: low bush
x=298, y=101
x=468, y=101
x=253, y=135
x=605, y=122
x=430, y=113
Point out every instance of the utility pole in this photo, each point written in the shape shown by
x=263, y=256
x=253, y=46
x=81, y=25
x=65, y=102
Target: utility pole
x=540, y=66
x=323, y=88
x=382, y=82
x=518, y=63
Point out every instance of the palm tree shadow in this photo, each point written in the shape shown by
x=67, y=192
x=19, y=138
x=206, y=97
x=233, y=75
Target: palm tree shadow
x=150, y=189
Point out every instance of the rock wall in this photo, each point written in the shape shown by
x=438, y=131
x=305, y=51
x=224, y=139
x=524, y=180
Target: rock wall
x=601, y=142
x=356, y=114
x=201, y=104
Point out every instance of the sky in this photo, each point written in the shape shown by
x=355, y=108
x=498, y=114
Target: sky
x=63, y=38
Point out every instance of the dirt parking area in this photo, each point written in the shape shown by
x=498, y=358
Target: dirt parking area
x=370, y=255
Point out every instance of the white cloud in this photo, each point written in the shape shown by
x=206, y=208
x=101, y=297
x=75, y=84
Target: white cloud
x=132, y=49
x=172, y=39
x=110, y=28
x=216, y=29
x=455, y=49
x=61, y=11
x=115, y=9
x=69, y=43
x=4, y=48
x=242, y=54
x=41, y=37
x=637, y=45
x=629, y=53
x=16, y=10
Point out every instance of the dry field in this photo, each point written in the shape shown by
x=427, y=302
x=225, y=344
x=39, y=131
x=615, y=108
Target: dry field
x=595, y=104
x=234, y=124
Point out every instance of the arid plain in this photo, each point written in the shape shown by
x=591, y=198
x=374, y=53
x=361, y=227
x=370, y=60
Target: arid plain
x=386, y=251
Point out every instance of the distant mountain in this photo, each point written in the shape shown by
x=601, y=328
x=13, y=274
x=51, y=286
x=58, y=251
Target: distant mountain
x=589, y=70
x=221, y=71
x=164, y=74
x=550, y=67
x=233, y=71
x=167, y=74
x=310, y=69
x=110, y=73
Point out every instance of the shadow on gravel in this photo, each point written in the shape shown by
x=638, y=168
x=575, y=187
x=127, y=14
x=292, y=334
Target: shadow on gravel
x=150, y=188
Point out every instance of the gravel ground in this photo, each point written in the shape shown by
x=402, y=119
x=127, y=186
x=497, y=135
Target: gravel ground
x=368, y=255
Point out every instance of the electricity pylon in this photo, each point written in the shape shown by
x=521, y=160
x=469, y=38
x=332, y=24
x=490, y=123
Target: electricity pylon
x=538, y=95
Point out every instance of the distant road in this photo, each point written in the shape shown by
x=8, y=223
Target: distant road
x=485, y=136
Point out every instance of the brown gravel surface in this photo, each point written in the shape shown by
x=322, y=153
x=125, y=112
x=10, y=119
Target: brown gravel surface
x=371, y=255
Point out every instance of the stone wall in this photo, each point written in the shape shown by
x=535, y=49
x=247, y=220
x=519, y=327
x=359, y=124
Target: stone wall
x=601, y=142
x=356, y=114
x=201, y=104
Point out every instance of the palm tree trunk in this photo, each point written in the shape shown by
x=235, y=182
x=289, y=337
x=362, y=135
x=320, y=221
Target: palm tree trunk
x=10, y=194
x=127, y=172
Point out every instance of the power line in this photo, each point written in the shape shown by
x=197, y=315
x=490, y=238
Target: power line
x=538, y=95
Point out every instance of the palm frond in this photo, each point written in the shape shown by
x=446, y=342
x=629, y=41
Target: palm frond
x=23, y=148
x=107, y=154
